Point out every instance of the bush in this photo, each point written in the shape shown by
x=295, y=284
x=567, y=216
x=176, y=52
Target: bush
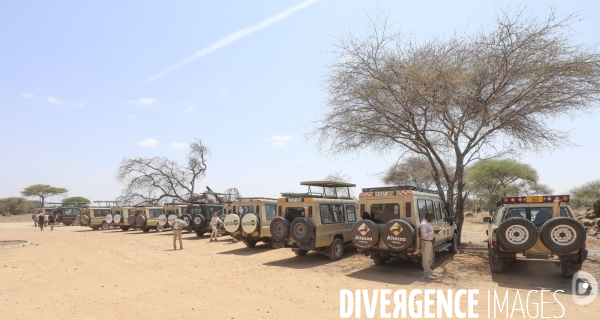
x=16, y=205
x=585, y=195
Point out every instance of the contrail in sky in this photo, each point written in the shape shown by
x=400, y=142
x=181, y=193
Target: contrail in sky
x=233, y=37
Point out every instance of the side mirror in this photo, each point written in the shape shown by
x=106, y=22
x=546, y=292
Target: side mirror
x=487, y=219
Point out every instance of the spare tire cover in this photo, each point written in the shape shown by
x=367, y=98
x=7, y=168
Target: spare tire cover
x=85, y=220
x=398, y=234
x=250, y=223
x=198, y=220
x=171, y=218
x=140, y=220
x=232, y=223
x=78, y=220
x=187, y=218
x=117, y=218
x=162, y=220
x=517, y=234
x=301, y=229
x=131, y=220
x=364, y=234
x=280, y=228
x=109, y=218
x=563, y=234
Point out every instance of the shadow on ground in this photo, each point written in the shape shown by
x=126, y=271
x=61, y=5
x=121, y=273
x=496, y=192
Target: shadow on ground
x=311, y=260
x=245, y=251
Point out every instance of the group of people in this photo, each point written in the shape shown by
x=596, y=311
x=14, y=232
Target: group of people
x=42, y=220
x=179, y=224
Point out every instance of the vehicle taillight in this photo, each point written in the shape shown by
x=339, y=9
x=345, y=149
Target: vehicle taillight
x=279, y=211
x=494, y=240
x=583, y=246
x=310, y=211
x=408, y=209
x=257, y=211
x=362, y=209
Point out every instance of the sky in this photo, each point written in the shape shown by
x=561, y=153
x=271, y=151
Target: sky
x=85, y=84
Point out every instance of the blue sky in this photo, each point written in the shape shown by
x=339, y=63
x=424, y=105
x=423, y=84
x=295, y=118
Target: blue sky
x=75, y=96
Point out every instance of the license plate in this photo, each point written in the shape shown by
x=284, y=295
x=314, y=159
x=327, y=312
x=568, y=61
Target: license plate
x=534, y=199
x=384, y=193
x=294, y=199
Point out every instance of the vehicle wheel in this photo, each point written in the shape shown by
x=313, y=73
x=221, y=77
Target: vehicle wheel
x=146, y=229
x=569, y=270
x=159, y=228
x=66, y=223
x=496, y=266
x=517, y=234
x=454, y=247
x=379, y=261
x=105, y=226
x=95, y=228
x=74, y=222
x=563, y=234
x=124, y=228
x=300, y=253
x=219, y=231
x=398, y=234
x=337, y=249
x=250, y=243
x=364, y=234
x=301, y=229
x=280, y=228
x=199, y=233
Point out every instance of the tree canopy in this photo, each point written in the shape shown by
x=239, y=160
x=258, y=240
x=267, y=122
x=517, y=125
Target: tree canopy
x=586, y=194
x=78, y=200
x=17, y=205
x=412, y=171
x=42, y=191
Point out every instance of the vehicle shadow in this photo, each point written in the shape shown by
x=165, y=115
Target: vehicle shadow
x=311, y=260
x=245, y=251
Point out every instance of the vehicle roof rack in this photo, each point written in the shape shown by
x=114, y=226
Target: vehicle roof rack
x=246, y=199
x=312, y=195
x=327, y=184
x=394, y=188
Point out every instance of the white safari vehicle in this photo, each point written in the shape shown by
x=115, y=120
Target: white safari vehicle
x=250, y=219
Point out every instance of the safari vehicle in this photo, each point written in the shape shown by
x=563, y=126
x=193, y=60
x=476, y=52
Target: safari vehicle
x=315, y=221
x=250, y=218
x=198, y=216
x=52, y=208
x=120, y=216
x=391, y=223
x=94, y=217
x=147, y=218
x=115, y=216
x=68, y=212
x=536, y=228
x=173, y=211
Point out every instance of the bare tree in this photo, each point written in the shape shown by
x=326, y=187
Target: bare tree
x=339, y=176
x=457, y=99
x=152, y=180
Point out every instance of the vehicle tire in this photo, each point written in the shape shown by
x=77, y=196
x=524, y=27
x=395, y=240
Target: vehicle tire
x=280, y=228
x=517, y=234
x=140, y=220
x=250, y=223
x=159, y=228
x=74, y=222
x=85, y=220
x=300, y=253
x=301, y=229
x=496, y=266
x=198, y=220
x=95, y=228
x=146, y=230
x=250, y=243
x=66, y=223
x=569, y=270
x=199, y=233
x=104, y=225
x=187, y=218
x=131, y=220
x=364, y=234
x=563, y=234
x=379, y=261
x=398, y=235
x=220, y=230
x=124, y=228
x=454, y=247
x=336, y=250
x=232, y=223
x=117, y=218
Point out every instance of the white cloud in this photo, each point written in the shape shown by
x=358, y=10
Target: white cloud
x=148, y=143
x=143, y=101
x=53, y=100
x=130, y=116
x=178, y=145
x=79, y=105
x=233, y=37
x=280, y=141
x=27, y=95
x=188, y=109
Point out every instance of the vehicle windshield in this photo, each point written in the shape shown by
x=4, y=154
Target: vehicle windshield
x=242, y=210
x=537, y=215
x=70, y=211
x=384, y=212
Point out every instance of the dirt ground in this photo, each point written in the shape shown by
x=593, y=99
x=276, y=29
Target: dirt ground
x=76, y=273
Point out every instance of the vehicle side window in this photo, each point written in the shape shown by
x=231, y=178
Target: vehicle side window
x=563, y=212
x=117, y=212
x=270, y=211
x=242, y=210
x=422, y=209
x=170, y=212
x=351, y=213
x=429, y=204
x=338, y=213
x=137, y=212
x=101, y=212
x=516, y=213
x=326, y=217
x=438, y=211
x=155, y=212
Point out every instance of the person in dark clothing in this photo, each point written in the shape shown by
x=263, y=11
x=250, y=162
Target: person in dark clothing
x=41, y=220
x=51, y=220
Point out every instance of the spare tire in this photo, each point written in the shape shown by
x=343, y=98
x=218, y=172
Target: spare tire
x=140, y=220
x=301, y=229
x=85, y=219
x=117, y=218
x=250, y=223
x=78, y=220
x=171, y=218
x=131, y=220
x=109, y=218
x=198, y=220
x=364, y=234
x=187, y=218
x=280, y=229
x=162, y=220
x=398, y=235
x=563, y=234
x=58, y=217
x=231, y=223
x=517, y=234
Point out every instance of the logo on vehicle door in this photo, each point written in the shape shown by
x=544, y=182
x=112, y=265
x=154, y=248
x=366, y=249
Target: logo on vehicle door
x=396, y=229
x=363, y=229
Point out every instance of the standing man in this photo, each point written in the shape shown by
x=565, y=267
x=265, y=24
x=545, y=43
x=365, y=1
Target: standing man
x=51, y=220
x=178, y=225
x=214, y=224
x=34, y=218
x=40, y=218
x=427, y=241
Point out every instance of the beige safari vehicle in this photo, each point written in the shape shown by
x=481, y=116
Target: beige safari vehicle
x=147, y=218
x=391, y=217
x=94, y=217
x=249, y=219
x=318, y=220
x=119, y=217
x=536, y=228
x=173, y=211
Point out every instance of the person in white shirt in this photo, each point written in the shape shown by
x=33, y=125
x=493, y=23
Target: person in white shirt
x=214, y=224
x=427, y=240
x=178, y=225
x=46, y=220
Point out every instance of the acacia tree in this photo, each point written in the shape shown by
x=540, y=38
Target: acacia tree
x=458, y=99
x=412, y=171
x=42, y=191
x=78, y=200
x=151, y=180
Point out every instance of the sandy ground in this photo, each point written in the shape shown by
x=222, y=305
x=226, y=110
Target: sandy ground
x=77, y=273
